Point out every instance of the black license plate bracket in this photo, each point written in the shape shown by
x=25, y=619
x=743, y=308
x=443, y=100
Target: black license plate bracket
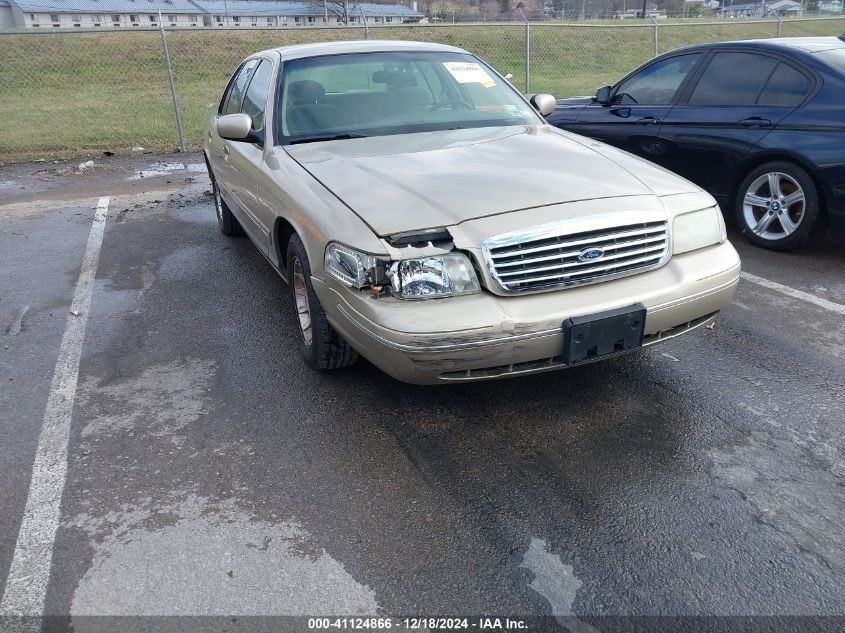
x=594, y=336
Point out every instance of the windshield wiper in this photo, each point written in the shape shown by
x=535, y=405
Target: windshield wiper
x=327, y=137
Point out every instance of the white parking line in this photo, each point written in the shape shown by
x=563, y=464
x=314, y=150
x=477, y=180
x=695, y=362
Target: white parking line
x=797, y=294
x=26, y=585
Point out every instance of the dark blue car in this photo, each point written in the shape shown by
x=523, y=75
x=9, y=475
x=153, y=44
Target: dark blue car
x=759, y=124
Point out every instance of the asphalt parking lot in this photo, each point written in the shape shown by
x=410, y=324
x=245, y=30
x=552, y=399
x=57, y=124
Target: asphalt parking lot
x=209, y=472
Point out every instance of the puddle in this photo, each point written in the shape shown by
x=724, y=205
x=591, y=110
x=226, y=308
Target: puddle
x=166, y=169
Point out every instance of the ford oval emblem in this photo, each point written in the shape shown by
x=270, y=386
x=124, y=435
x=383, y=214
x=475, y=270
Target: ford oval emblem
x=589, y=254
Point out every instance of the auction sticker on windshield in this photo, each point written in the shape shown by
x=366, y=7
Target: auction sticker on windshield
x=469, y=73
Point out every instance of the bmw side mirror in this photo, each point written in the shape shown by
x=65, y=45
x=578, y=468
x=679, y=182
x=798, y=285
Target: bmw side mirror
x=235, y=127
x=545, y=104
x=603, y=95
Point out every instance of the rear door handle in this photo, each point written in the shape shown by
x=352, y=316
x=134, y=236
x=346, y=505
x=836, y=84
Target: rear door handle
x=648, y=120
x=755, y=121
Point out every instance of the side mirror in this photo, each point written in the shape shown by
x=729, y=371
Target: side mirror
x=235, y=127
x=603, y=95
x=545, y=104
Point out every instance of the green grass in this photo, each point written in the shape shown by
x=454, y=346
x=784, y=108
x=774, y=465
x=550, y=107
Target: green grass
x=78, y=94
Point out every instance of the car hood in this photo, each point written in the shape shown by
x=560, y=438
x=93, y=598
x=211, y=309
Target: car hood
x=415, y=181
x=574, y=101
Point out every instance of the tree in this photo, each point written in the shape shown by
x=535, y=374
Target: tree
x=343, y=9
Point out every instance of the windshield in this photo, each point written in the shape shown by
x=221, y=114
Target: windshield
x=370, y=94
x=835, y=57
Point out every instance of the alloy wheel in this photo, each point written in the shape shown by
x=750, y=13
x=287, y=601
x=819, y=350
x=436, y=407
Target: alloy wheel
x=774, y=206
x=218, y=202
x=303, y=307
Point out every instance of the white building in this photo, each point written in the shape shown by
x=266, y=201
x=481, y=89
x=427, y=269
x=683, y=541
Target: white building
x=123, y=14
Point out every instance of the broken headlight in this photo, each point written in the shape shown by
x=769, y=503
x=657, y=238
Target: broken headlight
x=349, y=266
x=432, y=277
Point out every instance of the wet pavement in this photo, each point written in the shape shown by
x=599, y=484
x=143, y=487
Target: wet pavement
x=210, y=473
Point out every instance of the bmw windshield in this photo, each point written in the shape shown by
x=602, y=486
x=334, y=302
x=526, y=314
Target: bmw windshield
x=380, y=93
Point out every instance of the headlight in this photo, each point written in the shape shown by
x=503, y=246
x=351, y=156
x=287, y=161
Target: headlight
x=431, y=277
x=349, y=266
x=698, y=229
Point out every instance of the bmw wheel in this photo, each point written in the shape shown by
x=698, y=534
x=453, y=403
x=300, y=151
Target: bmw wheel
x=777, y=206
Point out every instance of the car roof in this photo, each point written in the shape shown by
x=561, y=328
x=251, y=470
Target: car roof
x=298, y=51
x=807, y=44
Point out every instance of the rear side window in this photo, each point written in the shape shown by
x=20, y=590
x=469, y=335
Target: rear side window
x=733, y=79
x=255, y=100
x=786, y=87
x=232, y=100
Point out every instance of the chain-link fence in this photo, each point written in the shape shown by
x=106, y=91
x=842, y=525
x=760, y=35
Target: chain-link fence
x=74, y=94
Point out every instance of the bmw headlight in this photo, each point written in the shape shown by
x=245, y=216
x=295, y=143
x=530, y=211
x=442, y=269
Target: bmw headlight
x=349, y=266
x=698, y=229
x=431, y=277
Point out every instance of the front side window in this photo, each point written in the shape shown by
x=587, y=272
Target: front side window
x=658, y=83
x=255, y=99
x=232, y=100
x=733, y=79
x=382, y=93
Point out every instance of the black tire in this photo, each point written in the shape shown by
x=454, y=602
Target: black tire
x=772, y=224
x=226, y=220
x=321, y=347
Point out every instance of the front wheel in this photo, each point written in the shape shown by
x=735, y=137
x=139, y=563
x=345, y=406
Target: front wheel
x=777, y=206
x=321, y=346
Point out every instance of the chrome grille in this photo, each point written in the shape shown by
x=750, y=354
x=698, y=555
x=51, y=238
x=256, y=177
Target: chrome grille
x=543, y=260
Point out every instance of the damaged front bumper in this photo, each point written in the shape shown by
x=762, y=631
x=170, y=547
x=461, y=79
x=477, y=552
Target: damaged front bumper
x=485, y=336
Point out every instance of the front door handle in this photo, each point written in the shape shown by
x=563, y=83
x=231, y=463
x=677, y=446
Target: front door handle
x=648, y=120
x=755, y=121
x=225, y=150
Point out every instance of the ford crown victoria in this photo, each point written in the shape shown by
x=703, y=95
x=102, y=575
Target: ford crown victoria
x=426, y=216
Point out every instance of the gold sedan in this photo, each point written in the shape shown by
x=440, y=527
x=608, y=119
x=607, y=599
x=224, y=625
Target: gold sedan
x=425, y=216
